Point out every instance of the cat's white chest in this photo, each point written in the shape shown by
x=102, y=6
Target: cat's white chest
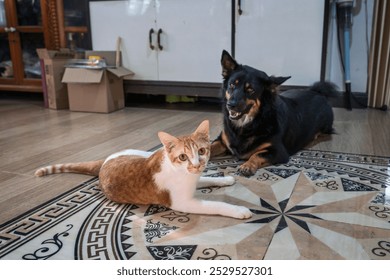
x=177, y=181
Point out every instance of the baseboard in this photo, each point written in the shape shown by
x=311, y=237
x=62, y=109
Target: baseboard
x=358, y=100
x=172, y=88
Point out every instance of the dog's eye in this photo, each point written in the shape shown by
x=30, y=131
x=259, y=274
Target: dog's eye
x=250, y=90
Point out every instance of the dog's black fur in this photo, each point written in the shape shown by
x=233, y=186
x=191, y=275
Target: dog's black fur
x=262, y=126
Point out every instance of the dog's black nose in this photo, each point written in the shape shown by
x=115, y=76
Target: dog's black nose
x=231, y=105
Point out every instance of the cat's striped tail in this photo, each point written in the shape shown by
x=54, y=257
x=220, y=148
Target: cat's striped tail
x=88, y=168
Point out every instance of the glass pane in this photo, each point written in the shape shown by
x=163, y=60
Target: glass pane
x=6, y=70
x=75, y=13
x=77, y=41
x=3, y=20
x=29, y=12
x=30, y=42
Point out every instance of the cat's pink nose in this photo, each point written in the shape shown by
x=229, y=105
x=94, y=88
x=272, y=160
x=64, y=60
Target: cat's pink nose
x=196, y=169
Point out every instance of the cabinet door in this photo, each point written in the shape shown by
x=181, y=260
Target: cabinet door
x=21, y=33
x=282, y=38
x=194, y=33
x=132, y=21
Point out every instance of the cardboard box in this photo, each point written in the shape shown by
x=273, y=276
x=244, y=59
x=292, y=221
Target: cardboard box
x=96, y=90
x=55, y=92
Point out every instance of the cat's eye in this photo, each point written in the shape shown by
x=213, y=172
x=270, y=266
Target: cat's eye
x=201, y=151
x=183, y=157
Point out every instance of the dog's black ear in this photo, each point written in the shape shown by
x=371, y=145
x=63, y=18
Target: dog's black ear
x=278, y=80
x=228, y=64
x=273, y=82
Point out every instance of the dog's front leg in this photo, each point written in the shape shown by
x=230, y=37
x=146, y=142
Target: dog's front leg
x=266, y=154
x=256, y=161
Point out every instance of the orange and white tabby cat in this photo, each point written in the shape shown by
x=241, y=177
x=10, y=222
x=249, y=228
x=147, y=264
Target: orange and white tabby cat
x=167, y=177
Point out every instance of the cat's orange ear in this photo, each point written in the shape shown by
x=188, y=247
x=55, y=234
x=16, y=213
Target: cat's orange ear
x=203, y=128
x=167, y=140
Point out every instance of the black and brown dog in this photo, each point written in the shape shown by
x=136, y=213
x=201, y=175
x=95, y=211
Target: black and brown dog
x=262, y=126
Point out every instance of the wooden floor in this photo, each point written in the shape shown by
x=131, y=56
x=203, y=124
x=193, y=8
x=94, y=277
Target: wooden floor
x=32, y=136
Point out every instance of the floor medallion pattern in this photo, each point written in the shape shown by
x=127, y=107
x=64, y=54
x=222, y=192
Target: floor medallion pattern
x=320, y=205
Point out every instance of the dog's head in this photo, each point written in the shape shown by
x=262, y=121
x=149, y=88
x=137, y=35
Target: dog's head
x=245, y=87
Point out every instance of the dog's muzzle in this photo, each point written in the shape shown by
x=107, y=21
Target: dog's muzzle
x=235, y=112
x=232, y=108
x=233, y=115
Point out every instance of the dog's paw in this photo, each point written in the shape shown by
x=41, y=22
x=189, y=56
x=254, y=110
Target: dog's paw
x=242, y=212
x=247, y=169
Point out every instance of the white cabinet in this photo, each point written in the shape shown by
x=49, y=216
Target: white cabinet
x=192, y=35
x=281, y=37
x=131, y=21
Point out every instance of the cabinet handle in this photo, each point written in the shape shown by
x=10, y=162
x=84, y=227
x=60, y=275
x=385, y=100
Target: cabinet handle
x=239, y=7
x=151, y=31
x=158, y=39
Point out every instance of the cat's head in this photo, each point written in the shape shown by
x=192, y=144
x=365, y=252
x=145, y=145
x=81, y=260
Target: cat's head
x=190, y=152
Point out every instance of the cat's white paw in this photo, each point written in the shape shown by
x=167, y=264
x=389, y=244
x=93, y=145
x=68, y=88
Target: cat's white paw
x=242, y=212
x=229, y=180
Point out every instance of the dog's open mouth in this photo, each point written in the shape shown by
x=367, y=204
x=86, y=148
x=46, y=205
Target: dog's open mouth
x=233, y=115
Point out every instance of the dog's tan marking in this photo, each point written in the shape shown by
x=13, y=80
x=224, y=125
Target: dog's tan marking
x=255, y=107
x=248, y=88
x=219, y=147
x=263, y=146
x=227, y=95
x=236, y=81
x=255, y=160
x=259, y=150
x=253, y=164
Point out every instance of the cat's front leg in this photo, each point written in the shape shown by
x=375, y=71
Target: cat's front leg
x=208, y=207
x=215, y=181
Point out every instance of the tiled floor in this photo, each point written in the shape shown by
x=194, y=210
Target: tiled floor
x=321, y=205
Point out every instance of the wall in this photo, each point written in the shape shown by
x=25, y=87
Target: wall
x=282, y=38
